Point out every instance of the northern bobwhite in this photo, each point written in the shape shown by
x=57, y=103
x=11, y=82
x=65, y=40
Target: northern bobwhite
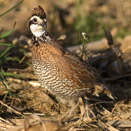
x=60, y=71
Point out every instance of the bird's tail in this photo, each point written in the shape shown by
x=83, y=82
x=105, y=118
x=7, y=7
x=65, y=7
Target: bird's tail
x=102, y=89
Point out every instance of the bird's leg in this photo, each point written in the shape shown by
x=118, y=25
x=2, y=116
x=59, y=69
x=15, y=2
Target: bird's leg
x=87, y=111
x=67, y=115
x=74, y=105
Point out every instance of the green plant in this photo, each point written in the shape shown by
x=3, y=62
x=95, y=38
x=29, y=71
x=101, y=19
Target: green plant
x=84, y=40
x=90, y=24
x=8, y=46
x=4, y=53
x=1, y=5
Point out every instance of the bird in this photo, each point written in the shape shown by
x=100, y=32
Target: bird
x=59, y=70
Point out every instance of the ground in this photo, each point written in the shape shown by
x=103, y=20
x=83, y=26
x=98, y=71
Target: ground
x=21, y=94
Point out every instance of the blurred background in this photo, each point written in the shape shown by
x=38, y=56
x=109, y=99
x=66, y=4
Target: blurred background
x=69, y=18
x=64, y=17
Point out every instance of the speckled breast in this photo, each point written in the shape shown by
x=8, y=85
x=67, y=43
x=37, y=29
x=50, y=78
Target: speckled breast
x=50, y=77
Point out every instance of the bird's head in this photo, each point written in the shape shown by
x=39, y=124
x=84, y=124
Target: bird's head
x=37, y=22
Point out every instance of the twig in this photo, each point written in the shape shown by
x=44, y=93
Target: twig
x=39, y=114
x=117, y=77
x=120, y=123
x=2, y=119
x=125, y=105
x=10, y=108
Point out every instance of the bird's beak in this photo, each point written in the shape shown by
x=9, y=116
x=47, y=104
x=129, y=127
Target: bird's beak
x=44, y=24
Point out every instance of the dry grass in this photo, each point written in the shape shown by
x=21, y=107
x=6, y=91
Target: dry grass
x=27, y=97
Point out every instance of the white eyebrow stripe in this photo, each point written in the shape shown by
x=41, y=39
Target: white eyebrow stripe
x=38, y=18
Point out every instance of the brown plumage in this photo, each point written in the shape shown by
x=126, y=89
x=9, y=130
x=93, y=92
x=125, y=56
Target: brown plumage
x=39, y=12
x=60, y=71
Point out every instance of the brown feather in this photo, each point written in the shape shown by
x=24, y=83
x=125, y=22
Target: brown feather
x=73, y=72
x=39, y=12
x=61, y=71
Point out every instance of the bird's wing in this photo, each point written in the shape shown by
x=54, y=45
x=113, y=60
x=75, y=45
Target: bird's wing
x=70, y=69
x=75, y=72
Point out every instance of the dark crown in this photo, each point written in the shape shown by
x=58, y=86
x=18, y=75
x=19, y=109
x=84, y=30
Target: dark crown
x=39, y=12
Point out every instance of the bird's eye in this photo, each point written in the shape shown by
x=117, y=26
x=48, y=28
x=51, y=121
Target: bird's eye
x=34, y=20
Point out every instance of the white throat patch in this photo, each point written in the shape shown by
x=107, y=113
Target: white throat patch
x=37, y=30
